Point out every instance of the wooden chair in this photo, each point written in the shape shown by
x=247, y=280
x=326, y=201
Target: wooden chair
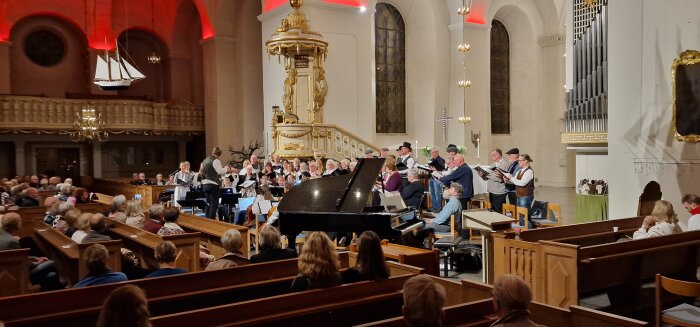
x=509, y=208
x=522, y=212
x=680, y=315
x=487, y=204
x=554, y=217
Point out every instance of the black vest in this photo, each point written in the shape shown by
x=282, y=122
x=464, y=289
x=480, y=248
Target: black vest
x=208, y=171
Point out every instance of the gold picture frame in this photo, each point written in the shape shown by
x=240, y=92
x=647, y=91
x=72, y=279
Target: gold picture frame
x=686, y=100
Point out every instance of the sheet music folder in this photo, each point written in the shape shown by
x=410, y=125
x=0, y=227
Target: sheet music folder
x=485, y=219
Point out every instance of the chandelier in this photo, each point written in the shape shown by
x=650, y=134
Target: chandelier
x=153, y=58
x=89, y=126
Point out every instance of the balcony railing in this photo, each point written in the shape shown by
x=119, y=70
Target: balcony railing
x=38, y=115
x=317, y=140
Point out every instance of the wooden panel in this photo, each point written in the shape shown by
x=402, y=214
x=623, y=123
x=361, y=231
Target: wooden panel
x=426, y=259
x=144, y=243
x=14, y=272
x=212, y=231
x=149, y=193
x=559, y=275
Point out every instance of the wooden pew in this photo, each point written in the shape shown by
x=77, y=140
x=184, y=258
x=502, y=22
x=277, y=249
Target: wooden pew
x=14, y=272
x=480, y=312
x=149, y=193
x=344, y=305
x=144, y=243
x=69, y=256
x=211, y=232
x=34, y=217
x=563, y=263
x=424, y=258
x=165, y=295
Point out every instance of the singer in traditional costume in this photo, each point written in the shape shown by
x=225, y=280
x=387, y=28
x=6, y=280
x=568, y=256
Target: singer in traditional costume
x=183, y=180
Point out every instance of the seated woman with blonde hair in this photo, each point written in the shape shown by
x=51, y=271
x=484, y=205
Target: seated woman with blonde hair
x=661, y=222
x=134, y=214
x=318, y=264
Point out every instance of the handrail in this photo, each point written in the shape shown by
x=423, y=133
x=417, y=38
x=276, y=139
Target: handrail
x=637, y=252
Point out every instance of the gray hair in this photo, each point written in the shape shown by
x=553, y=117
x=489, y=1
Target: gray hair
x=155, y=211
x=270, y=237
x=458, y=188
x=65, y=188
x=62, y=207
x=117, y=202
x=412, y=172
x=232, y=241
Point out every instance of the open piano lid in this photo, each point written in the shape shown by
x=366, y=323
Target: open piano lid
x=346, y=193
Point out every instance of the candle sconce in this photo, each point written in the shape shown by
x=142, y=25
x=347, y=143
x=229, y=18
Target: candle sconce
x=476, y=138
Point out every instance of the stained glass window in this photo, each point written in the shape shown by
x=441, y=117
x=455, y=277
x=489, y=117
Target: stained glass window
x=390, y=58
x=500, y=79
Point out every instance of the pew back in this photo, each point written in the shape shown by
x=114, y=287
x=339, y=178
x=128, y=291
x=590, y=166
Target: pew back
x=211, y=232
x=14, y=272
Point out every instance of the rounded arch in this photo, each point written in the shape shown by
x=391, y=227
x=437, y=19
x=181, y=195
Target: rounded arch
x=136, y=45
x=67, y=72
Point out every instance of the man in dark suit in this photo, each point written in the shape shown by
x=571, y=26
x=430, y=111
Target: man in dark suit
x=413, y=192
x=271, y=247
x=463, y=176
x=437, y=163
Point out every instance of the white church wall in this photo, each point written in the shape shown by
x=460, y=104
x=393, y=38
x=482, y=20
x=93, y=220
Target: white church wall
x=591, y=165
x=644, y=39
x=350, y=102
x=537, y=100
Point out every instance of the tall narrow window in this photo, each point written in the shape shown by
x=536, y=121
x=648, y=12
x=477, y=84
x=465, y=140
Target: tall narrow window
x=390, y=58
x=500, y=79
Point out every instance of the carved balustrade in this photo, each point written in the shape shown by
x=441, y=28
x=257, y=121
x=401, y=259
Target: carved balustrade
x=39, y=115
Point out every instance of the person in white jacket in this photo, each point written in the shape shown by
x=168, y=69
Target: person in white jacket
x=691, y=202
x=661, y=222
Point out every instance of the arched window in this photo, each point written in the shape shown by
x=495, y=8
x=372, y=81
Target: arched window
x=390, y=58
x=500, y=79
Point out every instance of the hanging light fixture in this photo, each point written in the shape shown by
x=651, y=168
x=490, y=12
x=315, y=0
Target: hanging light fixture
x=153, y=58
x=463, y=48
x=89, y=126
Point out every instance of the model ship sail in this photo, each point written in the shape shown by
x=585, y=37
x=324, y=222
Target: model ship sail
x=113, y=72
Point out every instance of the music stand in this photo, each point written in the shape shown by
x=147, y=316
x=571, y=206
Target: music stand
x=192, y=195
x=229, y=199
x=197, y=203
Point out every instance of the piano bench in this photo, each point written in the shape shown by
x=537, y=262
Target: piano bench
x=447, y=245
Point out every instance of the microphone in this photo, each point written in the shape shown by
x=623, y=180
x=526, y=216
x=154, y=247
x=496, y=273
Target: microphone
x=175, y=172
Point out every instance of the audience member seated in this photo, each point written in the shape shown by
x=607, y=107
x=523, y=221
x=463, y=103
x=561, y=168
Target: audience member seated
x=170, y=227
x=422, y=302
x=29, y=198
x=65, y=191
x=118, y=205
x=135, y=179
x=131, y=265
x=79, y=196
x=318, y=264
x=661, y=222
x=42, y=271
x=134, y=214
x=53, y=183
x=51, y=200
x=98, y=228
x=691, y=202
x=155, y=221
x=125, y=306
x=56, y=211
x=165, y=257
x=271, y=247
x=511, y=299
x=82, y=226
x=232, y=242
x=412, y=193
x=67, y=224
x=44, y=184
x=370, y=260
x=96, y=256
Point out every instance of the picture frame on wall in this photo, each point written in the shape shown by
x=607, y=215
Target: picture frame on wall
x=686, y=96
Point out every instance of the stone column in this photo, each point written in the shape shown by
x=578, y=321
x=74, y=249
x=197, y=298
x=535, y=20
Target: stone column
x=97, y=159
x=181, y=151
x=20, y=162
x=5, y=67
x=222, y=113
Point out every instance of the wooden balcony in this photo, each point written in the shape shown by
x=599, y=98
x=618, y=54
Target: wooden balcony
x=40, y=115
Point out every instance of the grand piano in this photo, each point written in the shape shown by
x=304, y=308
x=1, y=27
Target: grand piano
x=338, y=204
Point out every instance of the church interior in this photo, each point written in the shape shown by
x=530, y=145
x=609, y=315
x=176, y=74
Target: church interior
x=552, y=146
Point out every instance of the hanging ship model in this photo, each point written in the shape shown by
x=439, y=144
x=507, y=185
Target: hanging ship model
x=113, y=72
